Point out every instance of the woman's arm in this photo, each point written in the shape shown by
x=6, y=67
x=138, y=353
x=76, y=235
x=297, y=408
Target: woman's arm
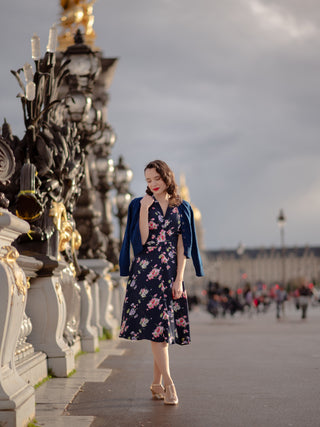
x=181, y=265
x=145, y=204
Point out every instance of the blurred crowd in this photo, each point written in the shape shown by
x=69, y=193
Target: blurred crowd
x=221, y=300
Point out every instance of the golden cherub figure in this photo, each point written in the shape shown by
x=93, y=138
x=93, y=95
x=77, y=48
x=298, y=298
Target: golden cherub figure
x=76, y=14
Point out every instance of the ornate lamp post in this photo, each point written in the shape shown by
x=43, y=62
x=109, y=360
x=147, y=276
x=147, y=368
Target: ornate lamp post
x=83, y=66
x=105, y=178
x=104, y=168
x=89, y=78
x=43, y=191
x=64, y=100
x=122, y=178
x=281, y=220
x=105, y=175
x=86, y=99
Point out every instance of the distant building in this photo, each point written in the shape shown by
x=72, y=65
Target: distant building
x=233, y=268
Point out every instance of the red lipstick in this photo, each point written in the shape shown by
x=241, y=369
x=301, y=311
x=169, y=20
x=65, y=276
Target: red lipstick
x=156, y=189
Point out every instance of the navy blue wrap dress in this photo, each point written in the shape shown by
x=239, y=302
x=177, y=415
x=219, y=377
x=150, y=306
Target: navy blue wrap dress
x=149, y=311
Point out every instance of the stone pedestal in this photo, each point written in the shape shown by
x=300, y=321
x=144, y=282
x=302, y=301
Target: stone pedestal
x=88, y=333
x=107, y=318
x=118, y=294
x=76, y=347
x=47, y=309
x=95, y=318
x=17, y=400
x=31, y=365
x=71, y=292
x=101, y=267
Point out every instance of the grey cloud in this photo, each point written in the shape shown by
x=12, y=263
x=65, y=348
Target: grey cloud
x=209, y=88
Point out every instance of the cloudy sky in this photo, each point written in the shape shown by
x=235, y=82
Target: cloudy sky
x=227, y=92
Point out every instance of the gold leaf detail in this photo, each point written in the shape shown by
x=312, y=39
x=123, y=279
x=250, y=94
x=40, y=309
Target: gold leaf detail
x=9, y=258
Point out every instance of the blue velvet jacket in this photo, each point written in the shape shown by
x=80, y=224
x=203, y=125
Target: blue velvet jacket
x=132, y=235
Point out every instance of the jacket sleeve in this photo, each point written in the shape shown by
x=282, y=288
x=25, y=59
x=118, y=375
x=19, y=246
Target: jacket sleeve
x=132, y=235
x=124, y=258
x=191, y=249
x=195, y=253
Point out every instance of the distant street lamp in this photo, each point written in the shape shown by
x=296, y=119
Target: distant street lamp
x=240, y=251
x=281, y=223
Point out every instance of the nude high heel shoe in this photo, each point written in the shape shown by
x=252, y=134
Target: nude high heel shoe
x=157, y=391
x=170, y=395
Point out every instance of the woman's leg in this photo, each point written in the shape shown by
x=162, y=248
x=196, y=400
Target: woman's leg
x=157, y=377
x=160, y=352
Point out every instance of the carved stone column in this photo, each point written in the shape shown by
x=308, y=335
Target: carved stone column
x=17, y=401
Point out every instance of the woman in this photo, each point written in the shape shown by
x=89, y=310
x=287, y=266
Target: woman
x=161, y=229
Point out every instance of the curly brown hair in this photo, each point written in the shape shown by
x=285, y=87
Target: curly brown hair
x=168, y=177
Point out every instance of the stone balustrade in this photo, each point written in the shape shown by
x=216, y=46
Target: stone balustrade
x=39, y=332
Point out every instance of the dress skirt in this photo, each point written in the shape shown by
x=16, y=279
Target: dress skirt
x=149, y=311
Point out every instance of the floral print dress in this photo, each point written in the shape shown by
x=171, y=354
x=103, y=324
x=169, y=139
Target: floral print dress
x=149, y=311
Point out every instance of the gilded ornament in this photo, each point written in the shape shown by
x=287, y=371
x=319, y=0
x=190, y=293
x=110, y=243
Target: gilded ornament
x=65, y=235
x=72, y=269
x=76, y=241
x=9, y=258
x=76, y=14
x=59, y=214
x=64, y=227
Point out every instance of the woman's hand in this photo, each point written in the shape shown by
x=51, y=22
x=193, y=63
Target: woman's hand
x=146, y=201
x=177, y=289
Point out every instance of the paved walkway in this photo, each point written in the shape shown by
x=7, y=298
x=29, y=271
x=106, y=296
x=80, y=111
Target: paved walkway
x=241, y=372
x=53, y=396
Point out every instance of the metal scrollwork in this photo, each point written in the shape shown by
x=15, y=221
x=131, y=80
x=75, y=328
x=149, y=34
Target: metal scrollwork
x=46, y=164
x=7, y=163
x=7, y=167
